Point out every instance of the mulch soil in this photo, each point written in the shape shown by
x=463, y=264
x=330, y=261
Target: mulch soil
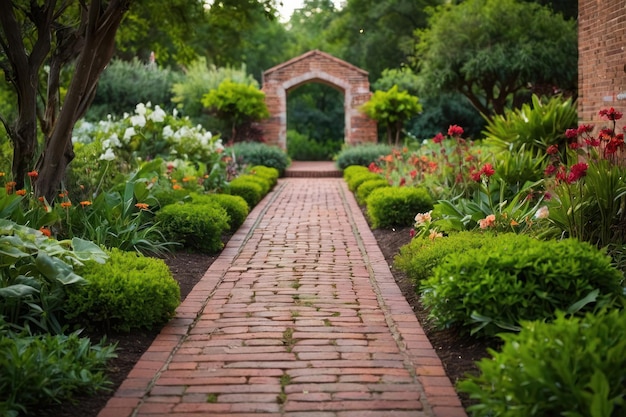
x=456, y=351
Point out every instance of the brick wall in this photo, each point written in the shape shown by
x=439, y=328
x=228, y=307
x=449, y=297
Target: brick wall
x=317, y=66
x=601, y=59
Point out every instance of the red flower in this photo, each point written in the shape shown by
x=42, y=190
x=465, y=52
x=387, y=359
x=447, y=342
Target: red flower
x=571, y=133
x=33, y=174
x=614, y=144
x=574, y=145
x=21, y=192
x=45, y=232
x=610, y=114
x=577, y=171
x=412, y=233
x=374, y=168
x=402, y=182
x=585, y=129
x=488, y=170
x=438, y=138
x=455, y=130
x=413, y=174
x=475, y=176
x=552, y=150
x=550, y=170
x=592, y=142
x=606, y=134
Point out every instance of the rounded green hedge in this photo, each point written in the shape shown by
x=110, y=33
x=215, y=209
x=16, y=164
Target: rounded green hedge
x=251, y=191
x=269, y=173
x=365, y=189
x=359, y=178
x=129, y=291
x=352, y=170
x=397, y=206
x=198, y=227
x=235, y=206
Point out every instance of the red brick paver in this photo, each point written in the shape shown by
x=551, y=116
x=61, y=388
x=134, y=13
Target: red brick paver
x=299, y=316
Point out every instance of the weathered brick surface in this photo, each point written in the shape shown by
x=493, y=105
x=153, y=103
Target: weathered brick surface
x=601, y=59
x=317, y=66
x=303, y=319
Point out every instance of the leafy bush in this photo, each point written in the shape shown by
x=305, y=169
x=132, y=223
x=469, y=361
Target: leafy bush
x=235, y=206
x=123, y=84
x=249, y=190
x=352, y=170
x=167, y=196
x=302, y=148
x=38, y=370
x=262, y=182
x=572, y=366
x=269, y=173
x=128, y=292
x=36, y=272
x=198, y=227
x=418, y=258
x=396, y=206
x=519, y=278
x=254, y=153
x=365, y=189
x=361, y=155
x=357, y=179
x=533, y=127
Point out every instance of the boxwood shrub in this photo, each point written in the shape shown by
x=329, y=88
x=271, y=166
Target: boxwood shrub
x=397, y=206
x=519, y=278
x=359, y=178
x=269, y=173
x=365, y=189
x=573, y=366
x=249, y=190
x=198, y=227
x=418, y=258
x=352, y=170
x=129, y=291
x=235, y=206
x=361, y=155
x=264, y=183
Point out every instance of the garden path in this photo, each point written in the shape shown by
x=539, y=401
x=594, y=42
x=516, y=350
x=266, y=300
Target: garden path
x=299, y=316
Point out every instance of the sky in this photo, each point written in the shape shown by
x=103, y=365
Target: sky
x=290, y=5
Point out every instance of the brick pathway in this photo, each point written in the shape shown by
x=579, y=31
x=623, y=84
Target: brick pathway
x=299, y=316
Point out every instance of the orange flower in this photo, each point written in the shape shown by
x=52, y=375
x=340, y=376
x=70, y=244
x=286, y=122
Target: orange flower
x=66, y=204
x=85, y=203
x=2, y=174
x=142, y=206
x=174, y=181
x=33, y=175
x=9, y=186
x=176, y=187
x=45, y=231
x=21, y=192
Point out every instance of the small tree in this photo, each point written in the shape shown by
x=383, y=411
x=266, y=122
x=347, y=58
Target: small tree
x=392, y=108
x=237, y=104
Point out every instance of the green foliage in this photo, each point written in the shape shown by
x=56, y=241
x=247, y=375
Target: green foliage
x=570, y=367
x=238, y=105
x=396, y=206
x=302, y=148
x=358, y=178
x=361, y=155
x=502, y=47
x=123, y=84
x=39, y=370
x=268, y=173
x=201, y=78
x=262, y=182
x=519, y=278
x=315, y=111
x=167, y=195
x=419, y=257
x=235, y=206
x=253, y=153
x=247, y=188
x=533, y=127
x=197, y=227
x=36, y=272
x=365, y=188
x=392, y=108
x=128, y=292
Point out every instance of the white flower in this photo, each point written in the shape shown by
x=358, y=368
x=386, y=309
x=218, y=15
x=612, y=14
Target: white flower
x=542, y=213
x=114, y=140
x=108, y=155
x=167, y=131
x=175, y=113
x=138, y=120
x=158, y=115
x=140, y=109
x=129, y=133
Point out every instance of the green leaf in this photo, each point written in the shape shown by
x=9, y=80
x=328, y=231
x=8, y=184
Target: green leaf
x=56, y=269
x=578, y=305
x=17, y=291
x=86, y=250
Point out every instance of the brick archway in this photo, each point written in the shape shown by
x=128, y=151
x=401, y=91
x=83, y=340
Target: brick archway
x=317, y=66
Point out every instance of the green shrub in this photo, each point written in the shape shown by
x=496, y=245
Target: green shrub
x=418, y=258
x=269, y=173
x=365, y=189
x=302, y=148
x=518, y=278
x=397, y=206
x=362, y=155
x=130, y=291
x=264, y=183
x=235, y=206
x=352, y=170
x=41, y=370
x=198, y=227
x=570, y=367
x=359, y=178
x=167, y=196
x=254, y=153
x=250, y=191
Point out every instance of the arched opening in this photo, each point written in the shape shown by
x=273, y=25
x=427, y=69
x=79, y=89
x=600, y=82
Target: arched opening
x=315, y=122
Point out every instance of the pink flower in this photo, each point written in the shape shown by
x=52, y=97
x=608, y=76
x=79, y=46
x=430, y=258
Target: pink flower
x=412, y=233
x=610, y=114
x=552, y=150
x=585, y=129
x=571, y=133
x=487, y=222
x=455, y=130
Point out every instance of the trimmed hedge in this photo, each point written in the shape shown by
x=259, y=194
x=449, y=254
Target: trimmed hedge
x=397, y=206
x=235, y=206
x=268, y=173
x=249, y=190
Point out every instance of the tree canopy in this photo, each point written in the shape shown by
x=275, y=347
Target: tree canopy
x=492, y=51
